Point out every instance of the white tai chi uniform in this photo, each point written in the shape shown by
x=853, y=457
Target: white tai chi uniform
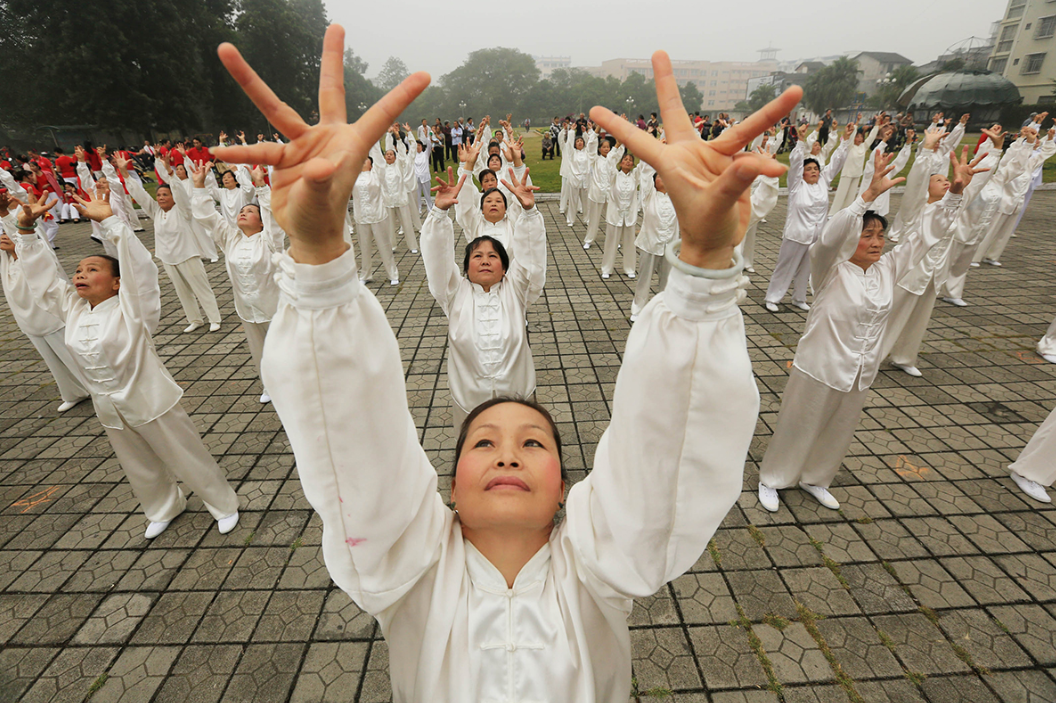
x=659, y=229
x=621, y=216
x=118, y=205
x=1047, y=344
x=807, y=205
x=602, y=173
x=396, y=180
x=232, y=200
x=839, y=353
x=203, y=239
x=1037, y=461
x=250, y=265
x=764, y=192
x=851, y=174
x=470, y=217
x=423, y=194
x=488, y=353
x=578, y=172
x=666, y=472
x=373, y=225
x=178, y=249
x=882, y=205
x=134, y=395
x=45, y=331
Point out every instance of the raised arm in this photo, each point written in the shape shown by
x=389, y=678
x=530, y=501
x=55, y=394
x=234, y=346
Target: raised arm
x=204, y=210
x=13, y=186
x=438, y=243
x=795, y=164
x=143, y=199
x=50, y=288
x=835, y=165
x=528, y=269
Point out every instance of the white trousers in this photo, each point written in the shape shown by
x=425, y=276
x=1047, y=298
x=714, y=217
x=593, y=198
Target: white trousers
x=69, y=212
x=566, y=188
x=155, y=455
x=748, y=245
x=996, y=239
x=52, y=348
x=846, y=192
x=577, y=198
x=650, y=263
x=959, y=261
x=593, y=220
x=1047, y=344
x=402, y=215
x=814, y=431
x=51, y=228
x=793, y=267
x=1037, y=461
x=622, y=235
x=193, y=288
x=256, y=332
x=378, y=234
x=424, y=196
x=906, y=324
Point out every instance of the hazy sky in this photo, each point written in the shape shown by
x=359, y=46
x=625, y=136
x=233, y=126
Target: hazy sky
x=444, y=33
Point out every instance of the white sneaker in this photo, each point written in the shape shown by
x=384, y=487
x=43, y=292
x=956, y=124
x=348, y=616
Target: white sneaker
x=155, y=528
x=802, y=306
x=911, y=370
x=366, y=279
x=749, y=269
x=1032, y=488
x=192, y=327
x=822, y=494
x=569, y=224
x=634, y=318
x=214, y=326
x=213, y=260
x=772, y=307
x=991, y=262
x=414, y=251
x=631, y=274
x=768, y=498
x=394, y=282
x=226, y=524
x=586, y=245
x=1051, y=358
x=604, y=275
x=956, y=301
x=265, y=398
x=68, y=404
x=974, y=264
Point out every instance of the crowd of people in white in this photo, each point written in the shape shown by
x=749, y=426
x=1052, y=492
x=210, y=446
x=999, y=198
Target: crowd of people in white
x=491, y=599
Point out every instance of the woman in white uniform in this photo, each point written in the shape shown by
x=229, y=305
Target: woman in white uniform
x=177, y=247
x=1035, y=469
x=372, y=223
x=486, y=303
x=576, y=151
x=179, y=178
x=659, y=228
x=853, y=168
x=764, y=195
x=111, y=311
x=397, y=173
x=621, y=215
x=249, y=250
x=839, y=353
x=46, y=332
x=808, y=200
x=495, y=600
x=603, y=165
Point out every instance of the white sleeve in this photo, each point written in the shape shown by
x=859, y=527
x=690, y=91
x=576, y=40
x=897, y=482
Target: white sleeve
x=437, y=242
x=937, y=220
x=276, y=237
x=13, y=186
x=833, y=168
x=837, y=242
x=528, y=268
x=204, y=211
x=332, y=367
x=143, y=199
x=671, y=463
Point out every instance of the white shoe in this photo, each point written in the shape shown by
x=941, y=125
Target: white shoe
x=749, y=269
x=634, y=318
x=632, y=274
x=772, y=307
x=911, y=370
x=192, y=327
x=991, y=262
x=414, y=251
x=822, y=494
x=226, y=524
x=768, y=498
x=399, y=231
x=1049, y=358
x=974, y=264
x=213, y=260
x=1032, y=488
x=604, y=275
x=265, y=398
x=155, y=528
x=569, y=224
x=394, y=282
x=802, y=306
x=586, y=245
x=956, y=301
x=366, y=279
x=214, y=326
x=139, y=229
x=68, y=404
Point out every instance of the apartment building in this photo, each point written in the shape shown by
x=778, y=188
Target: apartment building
x=1025, y=51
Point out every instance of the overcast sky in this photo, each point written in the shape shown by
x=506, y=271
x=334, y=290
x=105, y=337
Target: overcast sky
x=716, y=31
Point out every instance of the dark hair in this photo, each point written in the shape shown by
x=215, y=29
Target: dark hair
x=871, y=216
x=229, y=171
x=811, y=161
x=163, y=185
x=493, y=144
x=115, y=265
x=607, y=138
x=480, y=177
x=488, y=192
x=495, y=243
x=476, y=412
x=58, y=150
x=371, y=160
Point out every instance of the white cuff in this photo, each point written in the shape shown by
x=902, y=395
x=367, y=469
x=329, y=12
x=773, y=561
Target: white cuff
x=317, y=287
x=695, y=297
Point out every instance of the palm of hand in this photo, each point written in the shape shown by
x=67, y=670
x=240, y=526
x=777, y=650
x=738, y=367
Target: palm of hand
x=698, y=166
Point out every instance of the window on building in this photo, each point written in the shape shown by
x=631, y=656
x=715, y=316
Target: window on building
x=1015, y=11
x=1015, y=62
x=1008, y=35
x=711, y=92
x=998, y=65
x=1033, y=63
x=1046, y=27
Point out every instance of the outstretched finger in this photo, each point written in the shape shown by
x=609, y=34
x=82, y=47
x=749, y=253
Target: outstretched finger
x=269, y=153
x=276, y=111
x=673, y=113
x=733, y=139
x=733, y=183
x=647, y=148
x=332, y=109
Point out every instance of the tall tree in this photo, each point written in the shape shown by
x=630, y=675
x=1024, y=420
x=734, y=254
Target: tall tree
x=833, y=86
x=692, y=98
x=761, y=96
x=492, y=82
x=392, y=74
x=360, y=93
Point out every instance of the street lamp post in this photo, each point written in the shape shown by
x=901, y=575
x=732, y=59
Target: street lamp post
x=462, y=108
x=630, y=105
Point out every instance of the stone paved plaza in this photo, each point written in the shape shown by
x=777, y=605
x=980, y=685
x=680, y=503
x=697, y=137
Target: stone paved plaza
x=935, y=582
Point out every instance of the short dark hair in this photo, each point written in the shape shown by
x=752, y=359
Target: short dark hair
x=475, y=413
x=495, y=243
x=480, y=178
x=115, y=265
x=489, y=191
x=163, y=185
x=870, y=216
x=811, y=161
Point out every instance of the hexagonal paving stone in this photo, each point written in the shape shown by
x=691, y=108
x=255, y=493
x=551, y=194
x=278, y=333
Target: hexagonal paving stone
x=726, y=658
x=983, y=639
x=761, y=593
x=984, y=580
x=173, y=618
x=17, y=609
x=840, y=542
x=661, y=657
x=136, y=675
x=890, y=691
x=1023, y=686
x=919, y=644
x=1036, y=529
x=931, y=585
x=819, y=589
x=57, y=619
x=258, y=567
x=342, y=619
x=20, y=667
x=793, y=653
x=231, y=617
x=1032, y=627
x=290, y=616
x=377, y=686
x=739, y=550
x=70, y=674
x=857, y=647
x=114, y=619
x=305, y=569
x=265, y=673
x=330, y=673
x=939, y=536
x=789, y=546
x=1036, y=575
x=657, y=609
x=890, y=540
x=704, y=599
x=958, y=688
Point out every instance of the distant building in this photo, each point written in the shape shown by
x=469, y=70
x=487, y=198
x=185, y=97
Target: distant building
x=876, y=66
x=547, y=64
x=1025, y=51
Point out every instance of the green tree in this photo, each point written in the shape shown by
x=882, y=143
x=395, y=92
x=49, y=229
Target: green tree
x=692, y=98
x=392, y=74
x=833, y=86
x=492, y=81
x=761, y=96
x=360, y=93
x=889, y=91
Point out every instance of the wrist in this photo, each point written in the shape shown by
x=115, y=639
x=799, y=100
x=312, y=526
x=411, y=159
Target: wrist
x=700, y=257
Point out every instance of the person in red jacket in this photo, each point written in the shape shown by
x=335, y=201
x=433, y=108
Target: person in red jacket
x=198, y=153
x=67, y=167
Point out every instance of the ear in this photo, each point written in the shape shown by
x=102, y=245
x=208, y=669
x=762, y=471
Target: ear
x=116, y=284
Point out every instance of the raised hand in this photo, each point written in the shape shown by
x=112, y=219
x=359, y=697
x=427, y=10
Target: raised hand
x=258, y=176
x=933, y=137
x=848, y=131
x=965, y=117
x=707, y=181
x=314, y=173
x=97, y=208
x=5, y=201
x=996, y=134
x=198, y=173
x=121, y=163
x=447, y=191
x=80, y=153
x=520, y=189
x=963, y=170
x=30, y=211
x=881, y=183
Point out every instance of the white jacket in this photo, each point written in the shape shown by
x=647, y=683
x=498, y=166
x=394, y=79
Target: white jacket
x=808, y=203
x=30, y=317
x=174, y=238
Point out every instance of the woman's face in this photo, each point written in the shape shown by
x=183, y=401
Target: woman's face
x=937, y=186
x=249, y=219
x=509, y=473
x=495, y=163
x=181, y=172
x=229, y=180
x=485, y=266
x=489, y=182
x=627, y=163
x=390, y=157
x=94, y=280
x=604, y=148
x=580, y=143
x=858, y=138
x=811, y=173
x=870, y=245
x=494, y=208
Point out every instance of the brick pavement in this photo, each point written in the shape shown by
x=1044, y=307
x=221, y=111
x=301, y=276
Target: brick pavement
x=935, y=582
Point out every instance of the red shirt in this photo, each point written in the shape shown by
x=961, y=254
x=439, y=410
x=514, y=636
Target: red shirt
x=94, y=162
x=199, y=155
x=45, y=164
x=175, y=158
x=5, y=164
x=67, y=166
